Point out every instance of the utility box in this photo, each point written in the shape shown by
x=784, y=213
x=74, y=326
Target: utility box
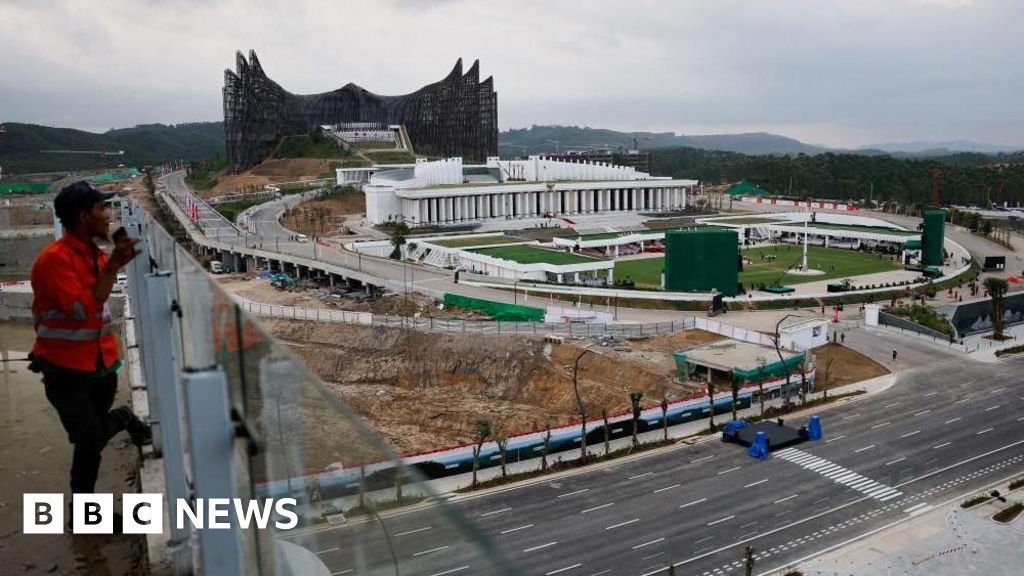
x=702, y=259
x=994, y=264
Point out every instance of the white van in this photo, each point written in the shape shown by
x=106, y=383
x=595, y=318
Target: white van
x=301, y=238
x=216, y=267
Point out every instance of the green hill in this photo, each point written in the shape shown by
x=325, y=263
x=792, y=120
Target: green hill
x=27, y=148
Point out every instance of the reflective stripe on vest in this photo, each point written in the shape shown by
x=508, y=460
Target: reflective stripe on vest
x=73, y=333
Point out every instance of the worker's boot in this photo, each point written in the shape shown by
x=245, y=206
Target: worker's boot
x=140, y=432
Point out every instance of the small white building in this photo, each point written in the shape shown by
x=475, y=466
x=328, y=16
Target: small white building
x=804, y=335
x=446, y=191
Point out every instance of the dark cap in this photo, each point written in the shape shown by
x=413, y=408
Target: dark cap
x=76, y=198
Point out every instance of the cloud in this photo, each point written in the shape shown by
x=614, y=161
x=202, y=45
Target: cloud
x=840, y=73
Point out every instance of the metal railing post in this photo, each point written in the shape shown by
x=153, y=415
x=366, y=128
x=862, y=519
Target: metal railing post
x=213, y=474
x=164, y=385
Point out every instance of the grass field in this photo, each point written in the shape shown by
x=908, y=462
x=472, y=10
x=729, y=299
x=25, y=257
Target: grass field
x=477, y=241
x=647, y=272
x=875, y=229
x=532, y=255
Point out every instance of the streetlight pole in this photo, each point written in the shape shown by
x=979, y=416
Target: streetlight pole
x=579, y=405
x=778, y=350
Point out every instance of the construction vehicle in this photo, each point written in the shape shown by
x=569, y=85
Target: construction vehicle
x=282, y=281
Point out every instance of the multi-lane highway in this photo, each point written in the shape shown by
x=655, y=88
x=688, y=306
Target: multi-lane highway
x=947, y=427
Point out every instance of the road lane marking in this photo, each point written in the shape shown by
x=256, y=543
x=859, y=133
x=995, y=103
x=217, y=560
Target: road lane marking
x=930, y=394
x=733, y=469
x=667, y=488
x=951, y=421
x=997, y=390
x=984, y=431
x=601, y=572
x=893, y=404
x=703, y=540
x=941, y=445
x=922, y=412
x=703, y=458
x=567, y=568
x=621, y=524
x=780, y=501
x=851, y=416
x=880, y=425
x=340, y=572
x=412, y=531
x=694, y=502
x=834, y=439
x=452, y=571
x=756, y=483
x=727, y=518
x=747, y=525
x=909, y=434
x=517, y=529
x=431, y=551
x=662, y=539
x=891, y=462
x=493, y=512
x=597, y=507
x=991, y=408
x=548, y=545
x=915, y=507
x=848, y=478
x=573, y=493
x=640, y=475
x=961, y=401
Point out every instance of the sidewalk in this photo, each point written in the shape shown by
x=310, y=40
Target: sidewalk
x=35, y=457
x=946, y=541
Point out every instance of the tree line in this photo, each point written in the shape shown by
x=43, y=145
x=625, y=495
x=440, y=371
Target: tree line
x=967, y=179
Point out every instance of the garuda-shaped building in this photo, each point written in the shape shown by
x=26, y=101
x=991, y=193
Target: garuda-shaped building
x=457, y=116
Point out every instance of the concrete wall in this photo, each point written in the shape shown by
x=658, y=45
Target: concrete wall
x=18, y=252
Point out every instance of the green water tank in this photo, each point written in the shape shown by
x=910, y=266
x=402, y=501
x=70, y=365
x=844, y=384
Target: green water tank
x=932, y=238
x=702, y=259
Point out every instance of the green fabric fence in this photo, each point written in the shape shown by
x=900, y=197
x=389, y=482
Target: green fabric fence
x=497, y=310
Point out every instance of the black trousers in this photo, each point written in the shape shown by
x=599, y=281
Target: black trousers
x=83, y=403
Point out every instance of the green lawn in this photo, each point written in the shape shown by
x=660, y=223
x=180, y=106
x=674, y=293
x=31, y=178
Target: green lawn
x=875, y=229
x=647, y=272
x=531, y=255
x=477, y=241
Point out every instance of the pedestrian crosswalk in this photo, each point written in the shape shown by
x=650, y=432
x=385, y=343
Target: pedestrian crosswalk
x=838, y=474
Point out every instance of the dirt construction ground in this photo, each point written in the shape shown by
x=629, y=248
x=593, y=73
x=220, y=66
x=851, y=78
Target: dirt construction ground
x=422, y=391
x=306, y=216
x=270, y=172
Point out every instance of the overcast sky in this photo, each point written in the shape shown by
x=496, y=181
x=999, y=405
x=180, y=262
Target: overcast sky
x=840, y=73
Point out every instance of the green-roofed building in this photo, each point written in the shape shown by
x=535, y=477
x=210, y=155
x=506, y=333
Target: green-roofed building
x=746, y=189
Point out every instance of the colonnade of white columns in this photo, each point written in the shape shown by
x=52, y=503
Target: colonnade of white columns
x=539, y=203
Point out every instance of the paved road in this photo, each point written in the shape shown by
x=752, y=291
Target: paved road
x=944, y=429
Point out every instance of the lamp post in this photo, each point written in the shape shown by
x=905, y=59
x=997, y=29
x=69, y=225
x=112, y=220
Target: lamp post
x=778, y=350
x=579, y=405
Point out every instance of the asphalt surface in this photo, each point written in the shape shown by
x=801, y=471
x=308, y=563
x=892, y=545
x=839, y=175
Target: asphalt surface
x=944, y=429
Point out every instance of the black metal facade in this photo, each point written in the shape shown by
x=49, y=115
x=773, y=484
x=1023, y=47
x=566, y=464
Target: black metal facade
x=457, y=116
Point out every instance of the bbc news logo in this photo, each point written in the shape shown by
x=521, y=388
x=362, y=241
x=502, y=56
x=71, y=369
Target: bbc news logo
x=143, y=514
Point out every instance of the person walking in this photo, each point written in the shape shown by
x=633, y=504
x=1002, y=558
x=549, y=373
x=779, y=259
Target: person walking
x=75, y=348
x=894, y=355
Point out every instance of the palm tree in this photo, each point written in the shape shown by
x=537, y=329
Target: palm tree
x=483, y=430
x=502, y=442
x=398, y=234
x=711, y=402
x=996, y=288
x=634, y=399
x=760, y=381
x=734, y=383
x=607, y=431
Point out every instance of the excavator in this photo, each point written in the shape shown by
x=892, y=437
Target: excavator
x=282, y=281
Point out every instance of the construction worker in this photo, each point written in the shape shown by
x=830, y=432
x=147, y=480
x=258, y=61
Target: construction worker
x=75, y=349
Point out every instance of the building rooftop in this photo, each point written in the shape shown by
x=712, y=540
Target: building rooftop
x=728, y=355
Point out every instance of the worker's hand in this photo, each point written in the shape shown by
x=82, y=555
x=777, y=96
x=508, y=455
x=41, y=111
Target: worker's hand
x=124, y=252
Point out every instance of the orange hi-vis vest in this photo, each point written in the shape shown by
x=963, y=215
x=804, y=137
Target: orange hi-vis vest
x=73, y=330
